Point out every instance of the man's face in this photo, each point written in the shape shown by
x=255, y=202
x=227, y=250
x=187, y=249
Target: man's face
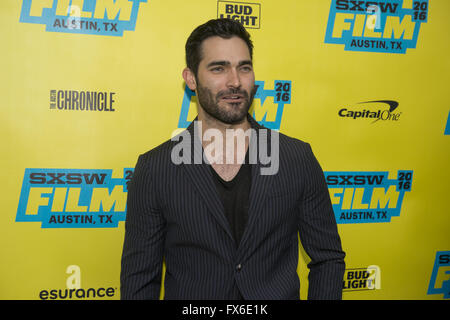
x=225, y=79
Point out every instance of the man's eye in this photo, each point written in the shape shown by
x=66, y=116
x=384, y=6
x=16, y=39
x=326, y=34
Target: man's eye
x=217, y=69
x=246, y=68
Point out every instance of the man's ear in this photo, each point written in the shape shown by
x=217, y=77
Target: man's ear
x=189, y=78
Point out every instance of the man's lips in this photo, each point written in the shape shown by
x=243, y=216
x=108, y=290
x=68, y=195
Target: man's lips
x=233, y=98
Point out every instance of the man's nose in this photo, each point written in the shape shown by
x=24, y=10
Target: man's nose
x=234, y=80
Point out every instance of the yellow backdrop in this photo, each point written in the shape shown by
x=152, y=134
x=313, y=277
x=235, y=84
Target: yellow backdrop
x=89, y=85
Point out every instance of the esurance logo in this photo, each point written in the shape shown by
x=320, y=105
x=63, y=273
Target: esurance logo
x=385, y=110
x=367, y=197
x=74, y=291
x=389, y=26
x=440, y=277
x=100, y=17
x=267, y=112
x=73, y=198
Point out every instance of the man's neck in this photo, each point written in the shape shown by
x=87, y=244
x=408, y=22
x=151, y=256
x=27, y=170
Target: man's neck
x=234, y=138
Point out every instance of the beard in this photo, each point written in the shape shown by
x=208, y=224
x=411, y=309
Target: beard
x=232, y=113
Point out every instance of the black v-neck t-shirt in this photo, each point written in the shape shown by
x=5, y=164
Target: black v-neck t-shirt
x=235, y=198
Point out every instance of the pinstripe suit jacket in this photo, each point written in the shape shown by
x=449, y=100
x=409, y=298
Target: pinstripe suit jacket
x=174, y=213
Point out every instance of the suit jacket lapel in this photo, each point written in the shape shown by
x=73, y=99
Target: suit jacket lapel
x=260, y=186
x=200, y=175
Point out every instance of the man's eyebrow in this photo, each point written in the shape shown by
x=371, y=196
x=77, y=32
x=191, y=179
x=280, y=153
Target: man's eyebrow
x=242, y=63
x=227, y=63
x=218, y=63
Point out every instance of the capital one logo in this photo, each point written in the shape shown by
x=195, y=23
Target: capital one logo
x=267, y=107
x=95, y=17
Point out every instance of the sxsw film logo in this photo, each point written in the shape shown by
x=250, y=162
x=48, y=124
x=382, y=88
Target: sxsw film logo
x=248, y=14
x=73, y=198
x=447, y=126
x=359, y=279
x=440, y=277
x=100, y=17
x=389, y=26
x=267, y=112
x=367, y=197
x=74, y=290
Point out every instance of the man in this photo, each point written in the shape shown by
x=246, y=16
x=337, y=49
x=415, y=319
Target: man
x=225, y=227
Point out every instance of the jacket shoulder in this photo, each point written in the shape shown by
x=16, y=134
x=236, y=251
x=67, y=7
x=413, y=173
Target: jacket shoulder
x=158, y=158
x=294, y=145
x=158, y=151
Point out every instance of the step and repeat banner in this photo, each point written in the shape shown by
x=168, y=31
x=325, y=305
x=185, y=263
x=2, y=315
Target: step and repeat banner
x=88, y=85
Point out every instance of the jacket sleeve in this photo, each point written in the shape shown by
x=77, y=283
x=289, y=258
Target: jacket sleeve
x=319, y=235
x=142, y=257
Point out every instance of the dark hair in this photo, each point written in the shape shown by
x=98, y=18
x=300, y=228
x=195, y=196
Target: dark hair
x=224, y=28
